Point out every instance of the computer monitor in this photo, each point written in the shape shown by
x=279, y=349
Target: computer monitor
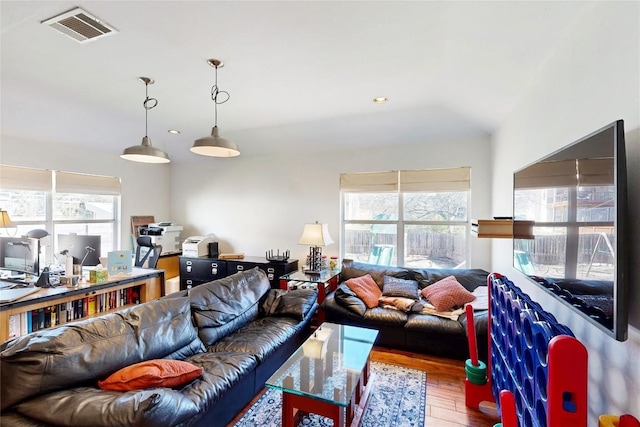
x=81, y=247
x=20, y=254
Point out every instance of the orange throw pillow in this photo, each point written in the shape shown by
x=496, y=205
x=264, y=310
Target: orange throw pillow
x=366, y=289
x=151, y=373
x=447, y=293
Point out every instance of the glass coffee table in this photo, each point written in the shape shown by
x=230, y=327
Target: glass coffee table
x=328, y=375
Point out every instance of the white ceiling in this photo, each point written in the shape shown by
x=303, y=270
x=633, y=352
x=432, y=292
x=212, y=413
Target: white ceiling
x=301, y=75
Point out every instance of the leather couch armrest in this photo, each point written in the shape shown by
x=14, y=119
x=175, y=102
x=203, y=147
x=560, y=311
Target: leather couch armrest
x=296, y=303
x=481, y=320
x=336, y=312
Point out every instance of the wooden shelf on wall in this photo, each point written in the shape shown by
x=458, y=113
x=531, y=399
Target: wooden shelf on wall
x=503, y=228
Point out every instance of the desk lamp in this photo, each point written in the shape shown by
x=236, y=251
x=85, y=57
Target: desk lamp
x=316, y=235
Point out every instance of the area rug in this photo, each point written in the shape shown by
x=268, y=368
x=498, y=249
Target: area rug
x=397, y=399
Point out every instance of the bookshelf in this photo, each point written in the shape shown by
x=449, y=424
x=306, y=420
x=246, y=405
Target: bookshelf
x=51, y=307
x=503, y=228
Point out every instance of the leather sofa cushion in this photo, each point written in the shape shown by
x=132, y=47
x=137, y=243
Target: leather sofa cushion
x=386, y=316
x=88, y=406
x=351, y=269
x=260, y=338
x=91, y=406
x=337, y=313
x=430, y=324
x=295, y=303
x=470, y=278
x=225, y=305
x=222, y=371
x=84, y=351
x=348, y=299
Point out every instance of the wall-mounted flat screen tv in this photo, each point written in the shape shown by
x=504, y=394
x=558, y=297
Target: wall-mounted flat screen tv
x=578, y=253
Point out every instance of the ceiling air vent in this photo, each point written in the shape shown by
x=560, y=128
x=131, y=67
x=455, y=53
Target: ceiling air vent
x=80, y=25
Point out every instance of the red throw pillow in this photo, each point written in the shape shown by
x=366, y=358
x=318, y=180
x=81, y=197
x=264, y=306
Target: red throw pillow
x=151, y=373
x=447, y=293
x=366, y=289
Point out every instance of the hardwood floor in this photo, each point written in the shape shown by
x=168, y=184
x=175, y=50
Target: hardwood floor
x=445, y=389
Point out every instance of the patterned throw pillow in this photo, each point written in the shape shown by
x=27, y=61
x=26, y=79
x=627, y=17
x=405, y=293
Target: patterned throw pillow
x=366, y=289
x=447, y=293
x=394, y=287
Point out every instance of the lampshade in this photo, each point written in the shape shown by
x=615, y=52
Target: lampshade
x=145, y=153
x=5, y=221
x=315, y=235
x=37, y=233
x=215, y=146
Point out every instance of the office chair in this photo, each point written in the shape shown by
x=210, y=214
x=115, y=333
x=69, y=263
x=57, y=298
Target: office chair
x=147, y=251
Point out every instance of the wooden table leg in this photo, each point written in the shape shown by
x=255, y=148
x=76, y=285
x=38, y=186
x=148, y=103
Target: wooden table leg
x=287, y=410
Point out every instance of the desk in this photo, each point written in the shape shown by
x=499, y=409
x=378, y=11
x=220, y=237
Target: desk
x=170, y=263
x=62, y=304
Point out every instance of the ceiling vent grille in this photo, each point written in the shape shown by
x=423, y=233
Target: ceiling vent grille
x=80, y=25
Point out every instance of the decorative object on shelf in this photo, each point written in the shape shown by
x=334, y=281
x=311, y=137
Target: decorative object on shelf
x=277, y=257
x=214, y=145
x=145, y=152
x=503, y=228
x=231, y=256
x=316, y=235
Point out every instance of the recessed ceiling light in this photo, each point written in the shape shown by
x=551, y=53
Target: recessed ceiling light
x=173, y=131
x=380, y=100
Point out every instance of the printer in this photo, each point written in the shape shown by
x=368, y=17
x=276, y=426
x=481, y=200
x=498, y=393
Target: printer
x=166, y=234
x=197, y=246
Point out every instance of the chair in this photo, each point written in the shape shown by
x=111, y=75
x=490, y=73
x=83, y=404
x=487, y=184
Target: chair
x=147, y=251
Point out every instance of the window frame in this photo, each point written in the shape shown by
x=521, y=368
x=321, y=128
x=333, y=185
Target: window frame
x=369, y=183
x=83, y=184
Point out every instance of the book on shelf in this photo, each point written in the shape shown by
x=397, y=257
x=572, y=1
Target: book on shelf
x=14, y=326
x=59, y=314
x=91, y=306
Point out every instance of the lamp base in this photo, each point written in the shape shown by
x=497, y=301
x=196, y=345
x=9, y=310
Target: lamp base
x=314, y=265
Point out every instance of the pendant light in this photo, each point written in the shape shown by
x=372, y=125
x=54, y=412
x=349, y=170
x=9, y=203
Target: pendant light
x=214, y=145
x=145, y=152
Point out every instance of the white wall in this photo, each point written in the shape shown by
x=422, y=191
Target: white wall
x=145, y=188
x=592, y=79
x=253, y=204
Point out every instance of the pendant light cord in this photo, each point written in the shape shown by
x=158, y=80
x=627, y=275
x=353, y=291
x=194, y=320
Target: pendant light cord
x=148, y=104
x=215, y=92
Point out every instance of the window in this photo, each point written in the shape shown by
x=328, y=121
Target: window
x=61, y=203
x=406, y=218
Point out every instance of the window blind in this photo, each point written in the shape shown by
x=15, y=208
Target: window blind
x=450, y=179
x=371, y=181
x=20, y=178
x=553, y=174
x=596, y=172
x=67, y=182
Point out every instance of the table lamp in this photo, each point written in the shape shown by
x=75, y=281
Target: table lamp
x=316, y=235
x=5, y=220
